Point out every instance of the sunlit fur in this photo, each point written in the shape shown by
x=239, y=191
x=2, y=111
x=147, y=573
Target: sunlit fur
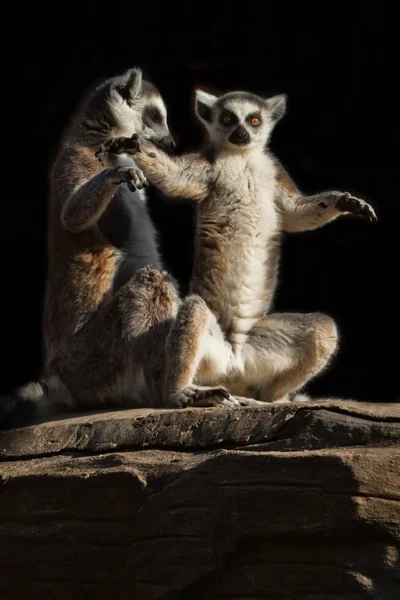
x=225, y=333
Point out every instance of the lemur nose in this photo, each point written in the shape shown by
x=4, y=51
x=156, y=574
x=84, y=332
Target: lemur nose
x=239, y=136
x=166, y=143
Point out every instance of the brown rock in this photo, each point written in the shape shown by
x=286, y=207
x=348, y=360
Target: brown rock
x=287, y=502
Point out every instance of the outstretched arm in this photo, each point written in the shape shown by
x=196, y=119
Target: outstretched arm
x=178, y=177
x=302, y=213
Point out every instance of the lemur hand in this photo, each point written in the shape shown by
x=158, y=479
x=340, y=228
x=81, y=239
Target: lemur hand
x=359, y=208
x=119, y=145
x=130, y=175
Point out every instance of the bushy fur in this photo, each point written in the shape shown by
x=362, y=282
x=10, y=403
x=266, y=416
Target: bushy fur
x=224, y=334
x=108, y=304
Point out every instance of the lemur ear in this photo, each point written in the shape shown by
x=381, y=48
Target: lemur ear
x=130, y=83
x=203, y=105
x=277, y=106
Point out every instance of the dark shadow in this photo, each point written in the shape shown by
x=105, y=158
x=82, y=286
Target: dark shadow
x=338, y=133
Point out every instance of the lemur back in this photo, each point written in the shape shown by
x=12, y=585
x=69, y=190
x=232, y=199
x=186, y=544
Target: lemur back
x=108, y=303
x=88, y=261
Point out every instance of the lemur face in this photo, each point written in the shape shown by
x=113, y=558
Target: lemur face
x=239, y=120
x=153, y=123
x=139, y=108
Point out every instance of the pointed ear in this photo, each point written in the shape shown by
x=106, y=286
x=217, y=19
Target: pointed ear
x=277, y=106
x=203, y=105
x=129, y=84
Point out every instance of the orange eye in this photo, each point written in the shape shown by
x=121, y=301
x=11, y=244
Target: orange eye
x=227, y=119
x=255, y=121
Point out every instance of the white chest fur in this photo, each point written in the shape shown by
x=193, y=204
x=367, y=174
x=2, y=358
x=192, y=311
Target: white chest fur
x=246, y=203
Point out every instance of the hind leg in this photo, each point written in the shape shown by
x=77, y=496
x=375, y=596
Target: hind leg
x=197, y=358
x=104, y=362
x=284, y=351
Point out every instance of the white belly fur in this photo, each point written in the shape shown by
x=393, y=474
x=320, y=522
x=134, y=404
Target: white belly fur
x=254, y=221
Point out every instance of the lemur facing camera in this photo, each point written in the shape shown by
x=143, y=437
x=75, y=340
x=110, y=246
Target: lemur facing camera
x=108, y=304
x=223, y=334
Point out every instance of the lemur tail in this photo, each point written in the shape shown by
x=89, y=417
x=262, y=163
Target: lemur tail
x=34, y=400
x=307, y=398
x=300, y=397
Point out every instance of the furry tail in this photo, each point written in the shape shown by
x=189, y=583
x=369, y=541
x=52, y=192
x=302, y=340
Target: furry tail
x=35, y=400
x=306, y=398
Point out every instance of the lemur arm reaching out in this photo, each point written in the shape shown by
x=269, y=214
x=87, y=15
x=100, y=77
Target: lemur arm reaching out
x=302, y=213
x=179, y=177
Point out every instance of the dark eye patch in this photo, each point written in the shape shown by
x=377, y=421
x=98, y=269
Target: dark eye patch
x=226, y=118
x=151, y=114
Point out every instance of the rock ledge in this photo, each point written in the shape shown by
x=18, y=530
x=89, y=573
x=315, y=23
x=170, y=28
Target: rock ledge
x=292, y=501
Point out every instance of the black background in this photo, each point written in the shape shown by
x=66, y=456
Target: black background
x=338, y=66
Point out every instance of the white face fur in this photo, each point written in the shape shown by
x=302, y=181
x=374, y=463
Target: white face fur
x=239, y=121
x=138, y=108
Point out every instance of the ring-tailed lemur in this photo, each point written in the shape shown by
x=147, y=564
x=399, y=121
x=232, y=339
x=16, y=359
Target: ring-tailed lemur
x=108, y=302
x=223, y=334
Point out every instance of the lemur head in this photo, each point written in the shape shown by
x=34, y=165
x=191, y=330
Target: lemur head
x=239, y=121
x=137, y=107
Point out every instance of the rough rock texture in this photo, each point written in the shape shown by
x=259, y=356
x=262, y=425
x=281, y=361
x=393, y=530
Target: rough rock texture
x=287, y=502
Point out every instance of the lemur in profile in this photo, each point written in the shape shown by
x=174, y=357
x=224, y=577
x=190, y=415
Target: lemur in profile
x=108, y=303
x=223, y=334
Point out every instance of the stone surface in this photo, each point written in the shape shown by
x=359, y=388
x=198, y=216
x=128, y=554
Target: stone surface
x=289, y=502
x=289, y=425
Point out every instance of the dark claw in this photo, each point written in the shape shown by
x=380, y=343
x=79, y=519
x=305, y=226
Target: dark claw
x=366, y=213
x=373, y=218
x=131, y=186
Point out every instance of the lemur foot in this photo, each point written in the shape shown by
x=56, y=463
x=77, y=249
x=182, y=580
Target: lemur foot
x=249, y=401
x=356, y=207
x=158, y=287
x=214, y=398
x=133, y=176
x=119, y=145
x=150, y=277
x=199, y=396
